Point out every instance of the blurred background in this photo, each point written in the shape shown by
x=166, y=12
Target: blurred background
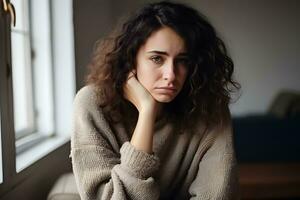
x=51, y=45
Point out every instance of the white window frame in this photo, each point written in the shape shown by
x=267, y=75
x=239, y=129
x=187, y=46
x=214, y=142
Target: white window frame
x=25, y=122
x=63, y=87
x=40, y=91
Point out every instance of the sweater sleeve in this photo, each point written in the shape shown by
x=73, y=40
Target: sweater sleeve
x=217, y=174
x=103, y=170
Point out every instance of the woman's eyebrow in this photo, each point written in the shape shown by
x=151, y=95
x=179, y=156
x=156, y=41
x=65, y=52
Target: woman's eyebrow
x=166, y=53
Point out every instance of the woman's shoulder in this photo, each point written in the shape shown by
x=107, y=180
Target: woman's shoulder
x=87, y=98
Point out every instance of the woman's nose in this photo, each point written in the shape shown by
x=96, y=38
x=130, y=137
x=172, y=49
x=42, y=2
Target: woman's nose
x=169, y=72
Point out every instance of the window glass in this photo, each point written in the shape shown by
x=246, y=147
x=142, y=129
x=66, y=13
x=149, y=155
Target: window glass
x=24, y=119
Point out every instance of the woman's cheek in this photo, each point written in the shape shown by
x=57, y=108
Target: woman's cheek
x=142, y=79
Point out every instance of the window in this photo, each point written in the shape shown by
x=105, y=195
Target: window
x=37, y=82
x=24, y=121
x=32, y=73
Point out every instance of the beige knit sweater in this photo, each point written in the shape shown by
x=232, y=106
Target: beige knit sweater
x=195, y=164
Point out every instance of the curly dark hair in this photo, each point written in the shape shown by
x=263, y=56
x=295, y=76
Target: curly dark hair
x=209, y=83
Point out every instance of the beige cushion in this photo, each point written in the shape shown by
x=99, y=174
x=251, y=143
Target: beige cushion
x=64, y=188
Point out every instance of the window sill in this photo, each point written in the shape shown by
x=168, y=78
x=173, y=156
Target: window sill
x=28, y=157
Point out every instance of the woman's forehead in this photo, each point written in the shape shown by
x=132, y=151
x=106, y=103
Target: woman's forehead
x=164, y=40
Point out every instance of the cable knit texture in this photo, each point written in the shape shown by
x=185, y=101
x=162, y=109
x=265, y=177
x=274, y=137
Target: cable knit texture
x=198, y=163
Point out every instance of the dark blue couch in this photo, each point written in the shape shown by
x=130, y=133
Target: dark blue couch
x=267, y=138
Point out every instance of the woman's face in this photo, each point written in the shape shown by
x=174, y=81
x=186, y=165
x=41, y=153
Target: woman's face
x=162, y=64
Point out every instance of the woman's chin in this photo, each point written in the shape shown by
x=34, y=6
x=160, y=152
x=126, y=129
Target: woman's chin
x=164, y=98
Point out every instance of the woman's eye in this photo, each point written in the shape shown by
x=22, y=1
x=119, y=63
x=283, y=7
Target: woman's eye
x=156, y=59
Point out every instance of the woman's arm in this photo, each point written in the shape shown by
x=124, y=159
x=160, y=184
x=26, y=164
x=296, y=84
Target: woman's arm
x=103, y=169
x=142, y=138
x=217, y=176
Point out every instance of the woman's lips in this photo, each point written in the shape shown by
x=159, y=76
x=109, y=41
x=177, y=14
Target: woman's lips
x=165, y=90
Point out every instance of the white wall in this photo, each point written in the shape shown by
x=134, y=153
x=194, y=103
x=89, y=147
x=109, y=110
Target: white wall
x=262, y=37
x=93, y=20
x=264, y=40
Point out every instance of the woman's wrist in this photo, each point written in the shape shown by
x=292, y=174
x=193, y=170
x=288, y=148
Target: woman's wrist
x=142, y=137
x=149, y=109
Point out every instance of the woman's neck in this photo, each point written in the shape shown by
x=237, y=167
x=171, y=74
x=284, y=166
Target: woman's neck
x=160, y=111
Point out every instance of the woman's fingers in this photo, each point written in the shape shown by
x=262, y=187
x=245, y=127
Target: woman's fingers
x=134, y=91
x=130, y=89
x=130, y=75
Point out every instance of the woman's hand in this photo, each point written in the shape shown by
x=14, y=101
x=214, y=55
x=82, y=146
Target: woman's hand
x=137, y=94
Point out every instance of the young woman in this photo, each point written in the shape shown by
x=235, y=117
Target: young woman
x=153, y=121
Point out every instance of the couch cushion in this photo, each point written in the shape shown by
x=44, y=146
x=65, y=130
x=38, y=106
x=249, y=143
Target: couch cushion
x=266, y=138
x=64, y=188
